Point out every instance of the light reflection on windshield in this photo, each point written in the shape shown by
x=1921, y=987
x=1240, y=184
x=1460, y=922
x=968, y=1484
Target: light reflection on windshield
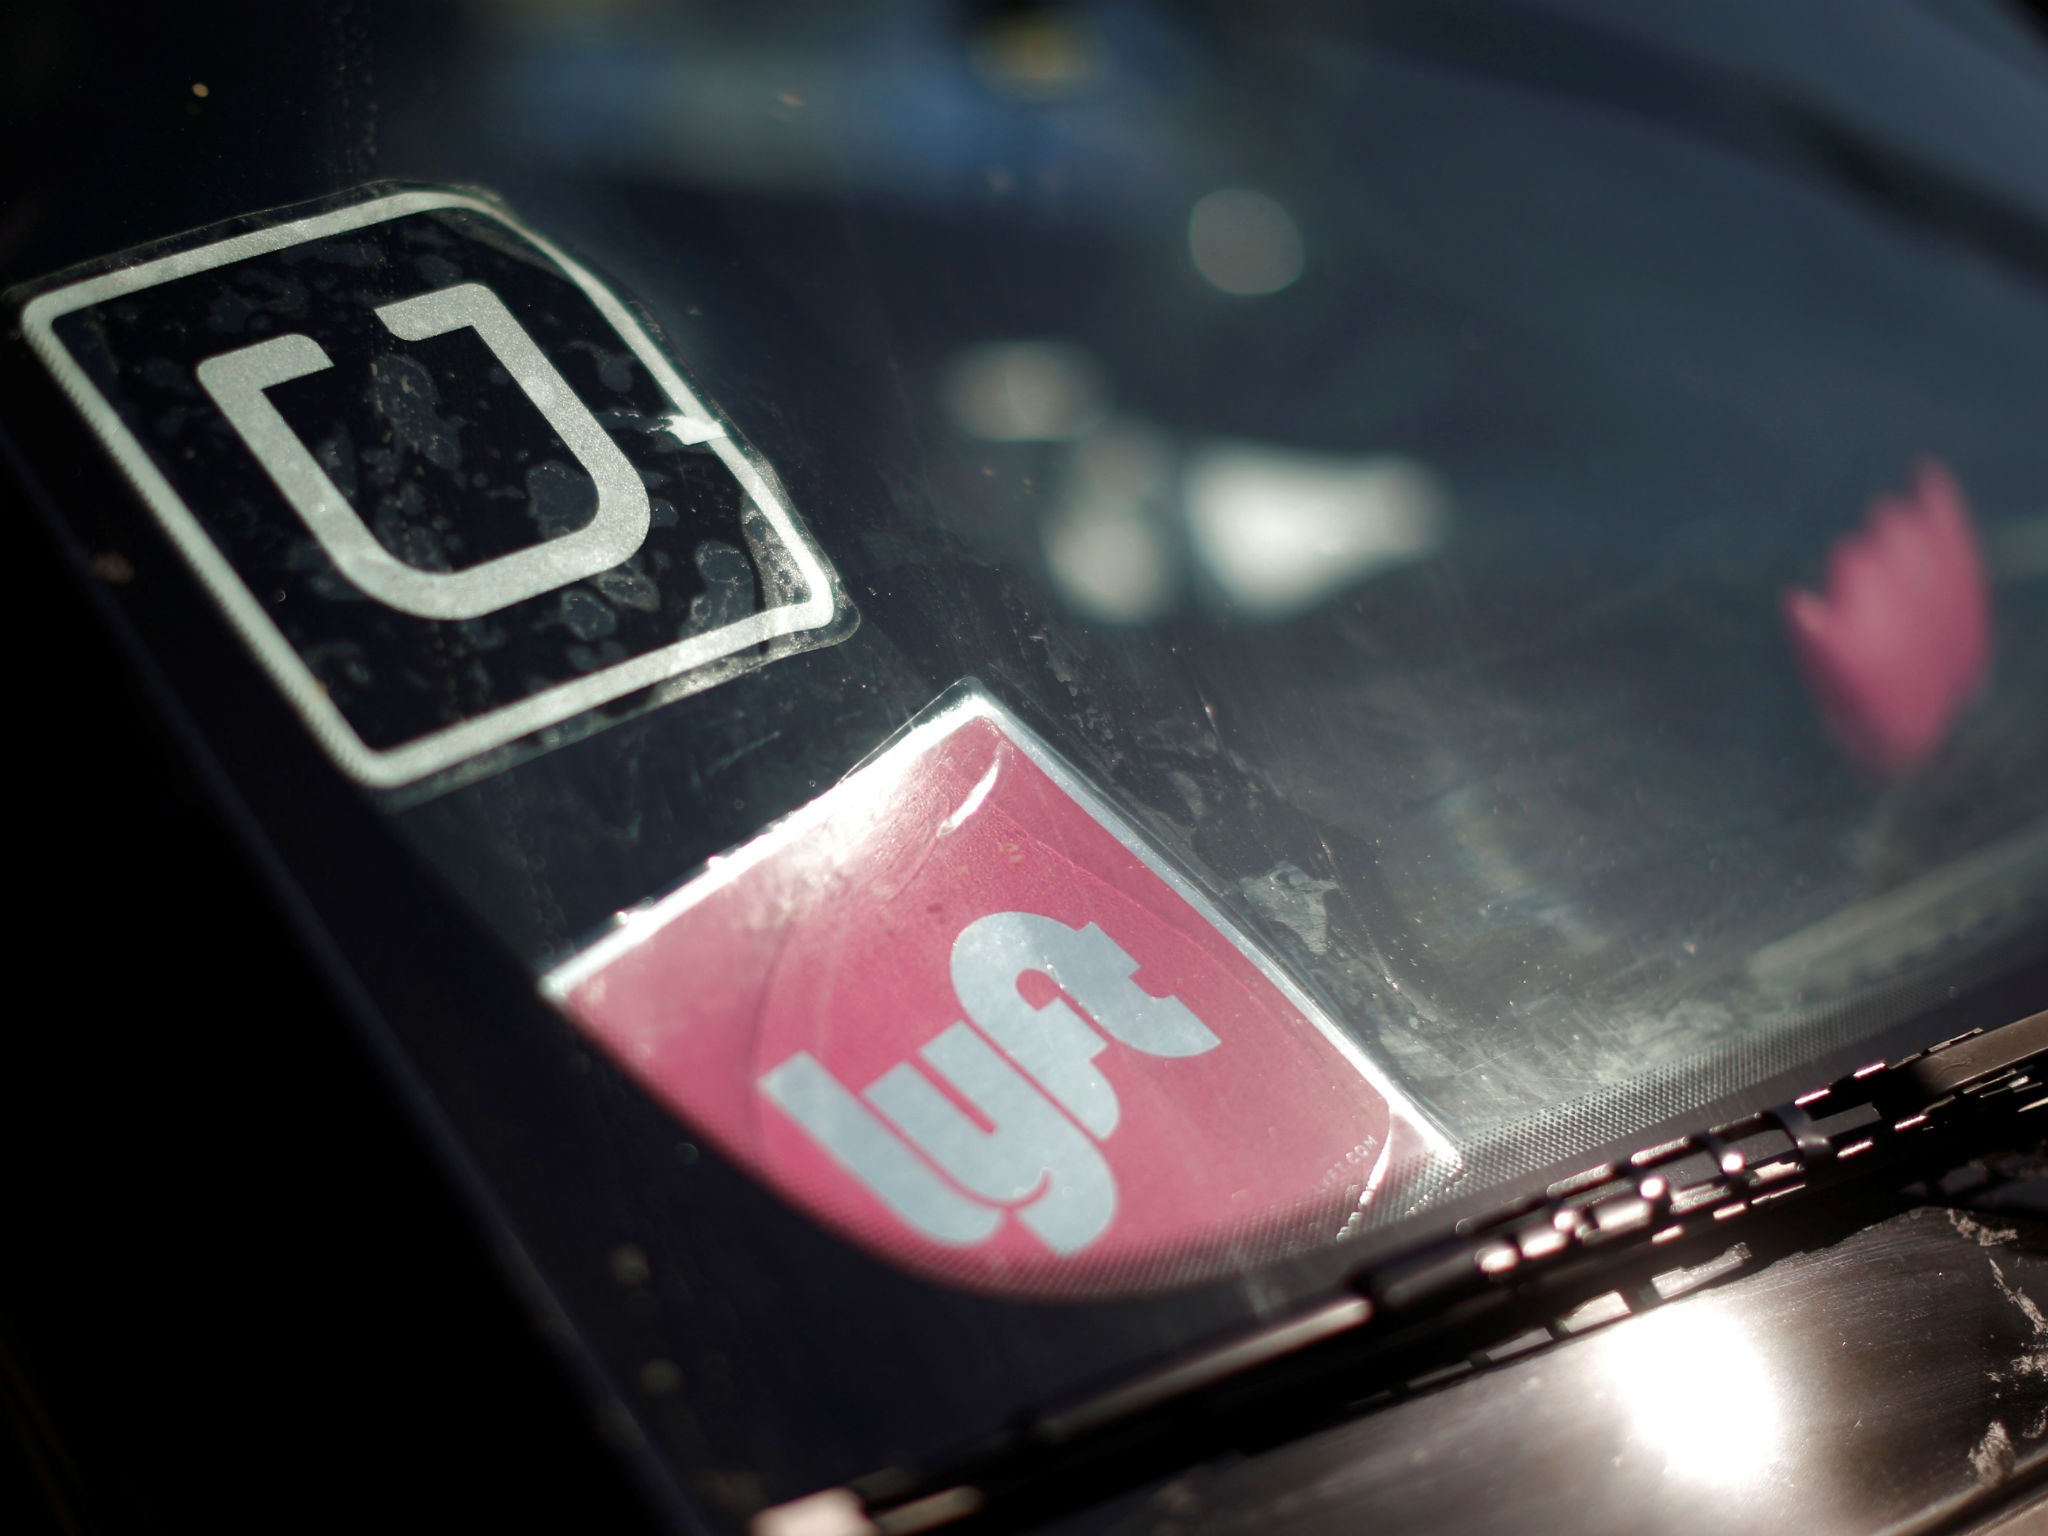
x=1244, y=242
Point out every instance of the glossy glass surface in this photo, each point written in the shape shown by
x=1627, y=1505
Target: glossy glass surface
x=1383, y=449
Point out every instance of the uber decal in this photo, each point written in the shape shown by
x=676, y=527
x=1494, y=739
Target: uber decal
x=959, y=1010
x=441, y=479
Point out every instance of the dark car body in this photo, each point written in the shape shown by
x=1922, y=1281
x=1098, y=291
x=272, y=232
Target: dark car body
x=332, y=1203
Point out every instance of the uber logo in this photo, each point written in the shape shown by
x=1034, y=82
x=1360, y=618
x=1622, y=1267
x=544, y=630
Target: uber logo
x=443, y=482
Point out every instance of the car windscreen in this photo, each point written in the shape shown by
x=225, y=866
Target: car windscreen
x=1390, y=451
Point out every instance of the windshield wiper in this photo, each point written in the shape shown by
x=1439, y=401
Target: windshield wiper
x=1606, y=1242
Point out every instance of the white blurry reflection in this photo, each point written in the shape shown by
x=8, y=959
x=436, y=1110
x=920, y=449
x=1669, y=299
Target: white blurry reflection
x=1025, y=391
x=1244, y=242
x=1275, y=531
x=1697, y=1391
x=1107, y=545
x=1280, y=530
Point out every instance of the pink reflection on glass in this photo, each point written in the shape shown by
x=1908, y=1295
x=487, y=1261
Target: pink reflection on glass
x=1901, y=639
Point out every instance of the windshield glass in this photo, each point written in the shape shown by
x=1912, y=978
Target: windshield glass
x=1387, y=453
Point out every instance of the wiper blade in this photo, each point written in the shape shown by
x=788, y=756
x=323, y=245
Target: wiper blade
x=1638, y=1228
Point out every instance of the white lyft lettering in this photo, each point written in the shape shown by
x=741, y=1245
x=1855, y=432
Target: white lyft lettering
x=1052, y=1043
x=1032, y=1143
x=1034, y=1158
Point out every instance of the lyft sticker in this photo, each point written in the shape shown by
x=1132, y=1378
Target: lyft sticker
x=442, y=480
x=959, y=1010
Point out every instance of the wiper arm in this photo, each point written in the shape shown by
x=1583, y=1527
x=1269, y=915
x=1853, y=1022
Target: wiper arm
x=1625, y=1227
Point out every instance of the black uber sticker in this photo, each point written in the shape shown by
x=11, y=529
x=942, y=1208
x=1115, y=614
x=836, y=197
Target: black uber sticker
x=442, y=481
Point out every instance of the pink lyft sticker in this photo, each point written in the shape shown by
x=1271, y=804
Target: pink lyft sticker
x=956, y=1009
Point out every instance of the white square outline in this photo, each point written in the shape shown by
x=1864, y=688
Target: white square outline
x=390, y=767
